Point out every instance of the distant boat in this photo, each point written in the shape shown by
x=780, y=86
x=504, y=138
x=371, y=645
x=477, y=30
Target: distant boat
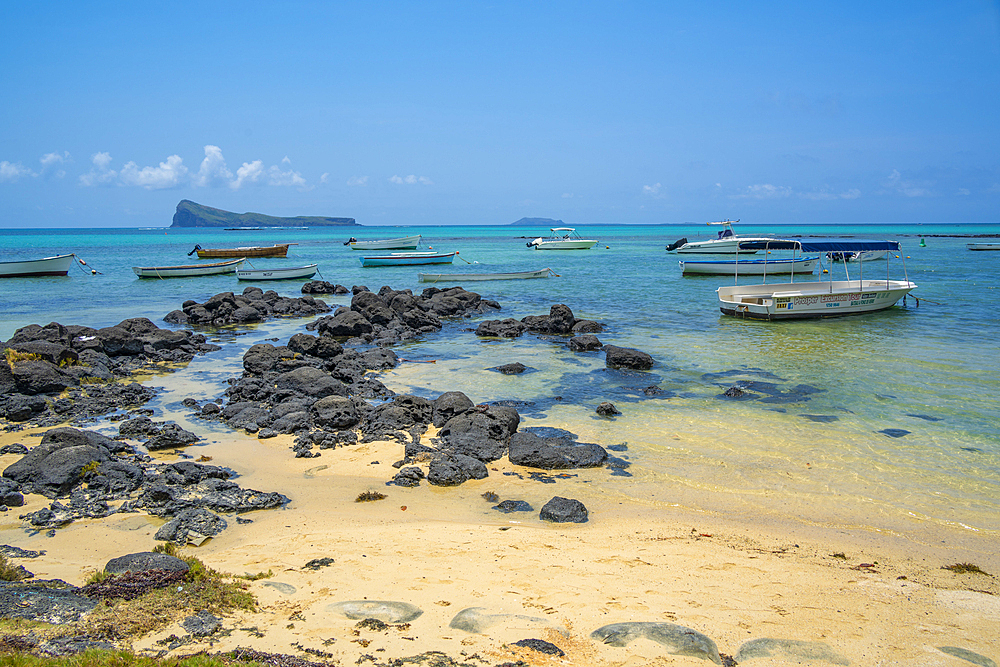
x=562, y=238
x=862, y=256
x=402, y=243
x=725, y=243
x=470, y=277
x=188, y=270
x=277, y=250
x=284, y=273
x=57, y=265
x=408, y=258
x=983, y=246
x=748, y=267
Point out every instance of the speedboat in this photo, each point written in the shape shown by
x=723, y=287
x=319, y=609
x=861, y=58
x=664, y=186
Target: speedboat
x=562, y=238
x=833, y=298
x=725, y=243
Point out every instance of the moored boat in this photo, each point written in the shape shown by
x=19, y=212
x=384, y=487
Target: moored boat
x=802, y=300
x=725, y=243
x=57, y=265
x=188, y=270
x=409, y=258
x=401, y=243
x=748, y=267
x=983, y=246
x=562, y=238
x=281, y=273
x=277, y=250
x=470, y=277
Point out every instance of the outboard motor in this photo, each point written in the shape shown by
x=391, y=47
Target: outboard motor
x=350, y=241
x=676, y=244
x=535, y=243
x=196, y=249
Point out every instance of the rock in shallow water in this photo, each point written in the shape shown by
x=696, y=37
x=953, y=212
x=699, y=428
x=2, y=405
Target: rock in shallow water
x=382, y=610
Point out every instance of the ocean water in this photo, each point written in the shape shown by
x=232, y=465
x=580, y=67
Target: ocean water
x=808, y=449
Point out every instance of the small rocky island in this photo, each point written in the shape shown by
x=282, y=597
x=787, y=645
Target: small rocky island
x=190, y=214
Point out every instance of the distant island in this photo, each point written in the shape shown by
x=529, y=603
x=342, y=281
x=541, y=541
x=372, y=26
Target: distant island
x=190, y=214
x=538, y=222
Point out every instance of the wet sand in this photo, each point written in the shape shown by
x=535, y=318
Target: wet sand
x=444, y=550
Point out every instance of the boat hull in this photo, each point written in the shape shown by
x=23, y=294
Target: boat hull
x=565, y=245
x=187, y=270
x=472, y=277
x=402, y=243
x=57, y=265
x=748, y=267
x=983, y=246
x=787, y=301
x=289, y=273
x=252, y=251
x=404, y=259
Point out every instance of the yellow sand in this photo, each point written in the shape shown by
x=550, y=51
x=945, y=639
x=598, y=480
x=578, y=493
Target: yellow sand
x=445, y=550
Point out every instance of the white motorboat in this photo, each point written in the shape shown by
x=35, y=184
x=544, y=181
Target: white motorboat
x=983, y=246
x=562, y=238
x=725, y=243
x=469, y=277
x=188, y=270
x=281, y=273
x=57, y=265
x=802, y=300
x=749, y=267
x=401, y=243
x=861, y=256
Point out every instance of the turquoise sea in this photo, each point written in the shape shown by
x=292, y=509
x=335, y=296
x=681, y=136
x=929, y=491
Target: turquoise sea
x=810, y=458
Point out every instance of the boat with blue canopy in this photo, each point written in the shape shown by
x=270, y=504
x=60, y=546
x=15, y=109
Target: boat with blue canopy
x=830, y=298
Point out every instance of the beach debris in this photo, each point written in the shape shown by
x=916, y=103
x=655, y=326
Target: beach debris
x=965, y=568
x=479, y=619
x=789, y=649
x=382, y=610
x=317, y=563
x=607, y=409
x=132, y=584
x=369, y=496
x=490, y=497
x=564, y=510
x=678, y=639
x=541, y=646
x=968, y=656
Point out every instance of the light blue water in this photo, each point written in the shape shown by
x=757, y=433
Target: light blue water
x=688, y=447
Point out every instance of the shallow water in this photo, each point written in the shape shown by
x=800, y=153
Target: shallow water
x=808, y=448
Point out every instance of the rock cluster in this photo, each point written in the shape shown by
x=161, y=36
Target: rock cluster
x=560, y=320
x=86, y=473
x=323, y=287
x=253, y=305
x=54, y=374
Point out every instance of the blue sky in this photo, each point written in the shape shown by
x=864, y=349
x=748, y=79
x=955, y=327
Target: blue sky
x=484, y=112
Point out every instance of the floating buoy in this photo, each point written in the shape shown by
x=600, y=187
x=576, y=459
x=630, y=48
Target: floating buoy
x=93, y=272
x=826, y=270
x=607, y=247
x=923, y=244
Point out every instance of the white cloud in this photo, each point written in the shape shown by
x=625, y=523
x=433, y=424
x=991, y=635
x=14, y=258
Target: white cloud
x=567, y=195
x=250, y=172
x=325, y=177
x=358, y=181
x=213, y=171
x=51, y=164
x=764, y=191
x=11, y=171
x=275, y=176
x=100, y=174
x=169, y=174
x=411, y=180
x=906, y=187
x=651, y=190
x=964, y=192
x=826, y=195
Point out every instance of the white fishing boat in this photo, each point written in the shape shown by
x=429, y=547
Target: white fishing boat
x=401, y=243
x=802, y=300
x=188, y=270
x=749, y=267
x=409, y=258
x=281, y=273
x=725, y=243
x=983, y=246
x=57, y=265
x=471, y=277
x=562, y=238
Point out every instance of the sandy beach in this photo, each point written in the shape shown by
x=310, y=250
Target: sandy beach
x=445, y=551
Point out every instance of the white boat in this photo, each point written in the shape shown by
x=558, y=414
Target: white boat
x=749, y=267
x=188, y=270
x=802, y=300
x=470, y=277
x=402, y=243
x=725, y=243
x=57, y=265
x=282, y=273
x=563, y=238
x=983, y=246
x=409, y=258
x=861, y=256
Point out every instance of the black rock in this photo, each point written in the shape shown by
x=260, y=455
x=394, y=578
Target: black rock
x=624, y=357
x=201, y=624
x=455, y=469
x=508, y=506
x=449, y=404
x=563, y=510
x=191, y=525
x=55, y=466
x=584, y=343
x=143, y=562
x=515, y=368
x=541, y=646
x=607, y=409
x=530, y=450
